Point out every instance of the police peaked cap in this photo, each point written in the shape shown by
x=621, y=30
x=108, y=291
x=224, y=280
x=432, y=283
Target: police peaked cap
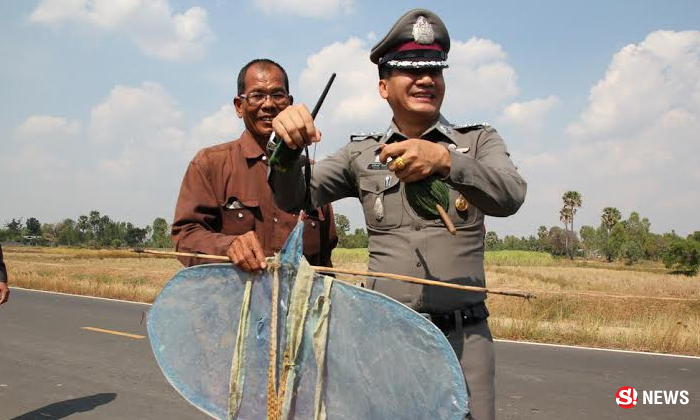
x=419, y=39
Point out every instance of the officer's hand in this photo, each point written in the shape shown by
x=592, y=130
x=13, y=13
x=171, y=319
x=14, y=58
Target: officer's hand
x=295, y=127
x=4, y=292
x=247, y=253
x=421, y=158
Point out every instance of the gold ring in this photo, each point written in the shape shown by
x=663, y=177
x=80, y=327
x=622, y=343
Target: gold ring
x=399, y=163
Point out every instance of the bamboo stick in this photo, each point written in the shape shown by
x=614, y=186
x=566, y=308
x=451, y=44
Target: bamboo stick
x=390, y=276
x=446, y=219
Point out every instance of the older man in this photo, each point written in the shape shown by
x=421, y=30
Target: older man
x=226, y=206
x=471, y=160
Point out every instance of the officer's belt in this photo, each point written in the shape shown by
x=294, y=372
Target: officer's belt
x=469, y=316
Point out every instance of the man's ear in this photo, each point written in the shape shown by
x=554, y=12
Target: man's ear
x=291, y=100
x=238, y=104
x=383, y=89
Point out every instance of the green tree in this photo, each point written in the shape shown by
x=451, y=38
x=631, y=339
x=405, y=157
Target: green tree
x=135, y=236
x=610, y=217
x=67, y=233
x=160, y=236
x=492, y=241
x=695, y=236
x=342, y=225
x=618, y=238
x=14, y=229
x=683, y=256
x=572, y=201
x=83, y=227
x=589, y=240
x=33, y=227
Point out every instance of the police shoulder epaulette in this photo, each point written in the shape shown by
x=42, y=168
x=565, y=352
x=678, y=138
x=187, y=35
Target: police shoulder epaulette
x=465, y=128
x=375, y=135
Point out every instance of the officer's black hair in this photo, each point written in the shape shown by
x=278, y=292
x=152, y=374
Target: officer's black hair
x=264, y=62
x=384, y=72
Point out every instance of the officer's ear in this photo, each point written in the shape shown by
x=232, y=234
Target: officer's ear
x=383, y=89
x=238, y=105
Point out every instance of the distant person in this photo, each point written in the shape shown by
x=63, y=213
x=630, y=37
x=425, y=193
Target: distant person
x=4, y=290
x=226, y=206
x=472, y=161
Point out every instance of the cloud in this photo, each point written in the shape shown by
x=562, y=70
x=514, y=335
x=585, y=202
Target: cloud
x=479, y=77
x=219, y=127
x=137, y=115
x=307, y=8
x=356, y=82
x=150, y=24
x=634, y=146
x=47, y=126
x=643, y=84
x=528, y=116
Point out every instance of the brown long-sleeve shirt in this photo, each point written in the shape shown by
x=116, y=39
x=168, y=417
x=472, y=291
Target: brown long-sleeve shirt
x=3, y=269
x=225, y=193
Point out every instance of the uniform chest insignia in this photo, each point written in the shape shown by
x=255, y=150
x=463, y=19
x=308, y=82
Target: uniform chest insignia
x=423, y=31
x=364, y=136
x=378, y=209
x=461, y=203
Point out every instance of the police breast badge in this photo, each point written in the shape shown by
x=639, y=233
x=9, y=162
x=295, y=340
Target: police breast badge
x=461, y=203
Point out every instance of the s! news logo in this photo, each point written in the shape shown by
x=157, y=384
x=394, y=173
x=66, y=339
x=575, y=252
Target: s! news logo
x=627, y=397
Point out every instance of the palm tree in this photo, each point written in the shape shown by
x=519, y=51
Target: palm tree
x=610, y=217
x=572, y=201
x=566, y=217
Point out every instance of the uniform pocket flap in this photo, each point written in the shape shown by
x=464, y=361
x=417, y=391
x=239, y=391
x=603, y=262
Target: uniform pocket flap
x=234, y=203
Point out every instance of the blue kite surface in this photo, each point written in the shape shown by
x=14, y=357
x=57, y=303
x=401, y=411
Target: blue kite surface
x=382, y=359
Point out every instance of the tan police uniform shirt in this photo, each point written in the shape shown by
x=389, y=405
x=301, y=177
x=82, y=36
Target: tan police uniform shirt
x=401, y=242
x=225, y=193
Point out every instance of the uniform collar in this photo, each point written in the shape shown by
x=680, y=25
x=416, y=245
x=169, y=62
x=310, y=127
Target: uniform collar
x=440, y=129
x=249, y=147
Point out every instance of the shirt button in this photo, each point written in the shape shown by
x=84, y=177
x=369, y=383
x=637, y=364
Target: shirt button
x=418, y=264
x=240, y=215
x=417, y=227
x=313, y=224
x=275, y=220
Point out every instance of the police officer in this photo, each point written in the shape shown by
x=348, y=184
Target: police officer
x=473, y=162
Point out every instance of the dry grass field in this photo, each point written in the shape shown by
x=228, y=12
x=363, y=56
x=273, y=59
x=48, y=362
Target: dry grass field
x=584, y=303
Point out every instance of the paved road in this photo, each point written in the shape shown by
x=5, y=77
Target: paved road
x=52, y=368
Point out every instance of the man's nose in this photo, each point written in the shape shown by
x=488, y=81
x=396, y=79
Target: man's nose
x=425, y=79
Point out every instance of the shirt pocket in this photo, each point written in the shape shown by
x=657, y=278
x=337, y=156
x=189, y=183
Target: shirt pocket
x=312, y=235
x=380, y=194
x=238, y=216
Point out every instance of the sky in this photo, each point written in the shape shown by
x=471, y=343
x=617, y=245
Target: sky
x=104, y=102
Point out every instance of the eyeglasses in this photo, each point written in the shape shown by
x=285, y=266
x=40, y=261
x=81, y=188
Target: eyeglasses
x=258, y=98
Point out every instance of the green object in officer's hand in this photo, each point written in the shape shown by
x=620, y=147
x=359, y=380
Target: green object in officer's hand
x=425, y=194
x=430, y=199
x=282, y=158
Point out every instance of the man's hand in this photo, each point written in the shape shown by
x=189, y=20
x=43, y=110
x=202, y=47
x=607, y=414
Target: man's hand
x=421, y=158
x=295, y=126
x=247, y=253
x=4, y=292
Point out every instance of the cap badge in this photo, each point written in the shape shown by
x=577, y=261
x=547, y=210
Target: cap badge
x=423, y=31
